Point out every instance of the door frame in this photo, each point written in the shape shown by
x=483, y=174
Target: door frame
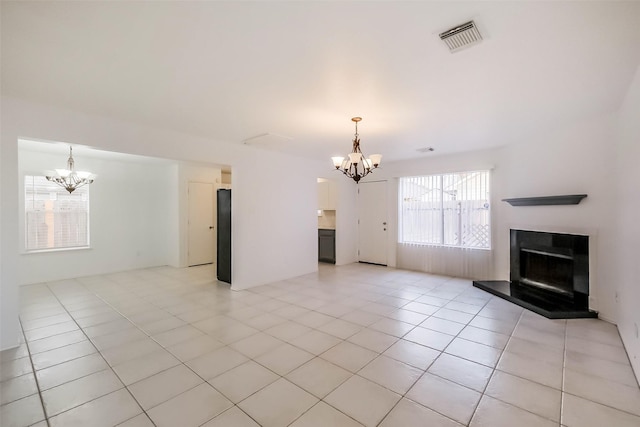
x=214, y=188
x=383, y=205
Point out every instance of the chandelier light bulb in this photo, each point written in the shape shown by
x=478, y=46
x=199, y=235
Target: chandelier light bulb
x=375, y=159
x=355, y=157
x=337, y=162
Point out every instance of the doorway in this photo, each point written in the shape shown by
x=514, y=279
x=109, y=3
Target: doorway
x=372, y=222
x=201, y=229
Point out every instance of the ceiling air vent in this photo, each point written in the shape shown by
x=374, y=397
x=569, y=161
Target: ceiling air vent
x=425, y=150
x=461, y=36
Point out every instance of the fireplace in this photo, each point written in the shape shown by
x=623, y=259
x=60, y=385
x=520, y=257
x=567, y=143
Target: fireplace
x=549, y=274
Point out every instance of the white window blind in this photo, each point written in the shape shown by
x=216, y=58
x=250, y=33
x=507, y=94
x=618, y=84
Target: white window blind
x=54, y=218
x=447, y=210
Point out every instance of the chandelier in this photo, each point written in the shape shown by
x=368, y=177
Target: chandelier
x=356, y=166
x=68, y=178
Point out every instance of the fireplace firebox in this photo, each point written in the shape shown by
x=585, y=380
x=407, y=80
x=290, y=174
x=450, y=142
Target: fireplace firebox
x=549, y=274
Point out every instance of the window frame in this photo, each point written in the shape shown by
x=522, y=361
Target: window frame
x=441, y=218
x=59, y=191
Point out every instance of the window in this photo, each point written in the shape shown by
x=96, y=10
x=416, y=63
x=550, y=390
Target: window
x=447, y=210
x=55, y=219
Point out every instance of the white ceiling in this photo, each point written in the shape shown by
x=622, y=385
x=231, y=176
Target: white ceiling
x=234, y=70
x=61, y=149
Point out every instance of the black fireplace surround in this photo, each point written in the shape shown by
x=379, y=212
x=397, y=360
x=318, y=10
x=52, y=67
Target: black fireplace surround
x=549, y=274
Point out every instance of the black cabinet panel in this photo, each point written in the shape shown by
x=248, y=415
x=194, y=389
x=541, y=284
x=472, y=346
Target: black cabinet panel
x=327, y=246
x=224, y=236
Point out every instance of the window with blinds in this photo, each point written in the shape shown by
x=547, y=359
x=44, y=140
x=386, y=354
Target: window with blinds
x=447, y=210
x=55, y=219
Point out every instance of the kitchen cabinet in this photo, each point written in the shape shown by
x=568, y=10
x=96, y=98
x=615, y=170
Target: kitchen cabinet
x=327, y=246
x=327, y=195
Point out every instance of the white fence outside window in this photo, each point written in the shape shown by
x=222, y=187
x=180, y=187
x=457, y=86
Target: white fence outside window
x=55, y=219
x=446, y=210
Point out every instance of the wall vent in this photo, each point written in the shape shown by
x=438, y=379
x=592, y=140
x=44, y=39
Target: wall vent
x=461, y=36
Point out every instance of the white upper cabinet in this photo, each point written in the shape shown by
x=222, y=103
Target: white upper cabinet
x=327, y=195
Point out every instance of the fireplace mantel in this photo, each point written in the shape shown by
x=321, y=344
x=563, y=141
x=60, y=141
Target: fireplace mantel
x=570, y=199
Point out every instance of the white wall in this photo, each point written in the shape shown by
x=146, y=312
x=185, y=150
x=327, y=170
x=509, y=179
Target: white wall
x=572, y=160
x=129, y=222
x=577, y=159
x=174, y=232
x=226, y=177
x=9, y=325
x=346, y=221
x=628, y=226
x=274, y=220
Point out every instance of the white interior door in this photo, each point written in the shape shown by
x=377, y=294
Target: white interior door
x=202, y=219
x=372, y=222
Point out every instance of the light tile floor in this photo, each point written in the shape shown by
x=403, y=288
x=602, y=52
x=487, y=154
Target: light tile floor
x=349, y=346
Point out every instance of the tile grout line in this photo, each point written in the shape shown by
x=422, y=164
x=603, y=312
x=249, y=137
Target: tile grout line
x=502, y=352
x=288, y=319
x=150, y=337
x=97, y=351
x=403, y=396
x=183, y=363
x=235, y=405
x=425, y=371
x=164, y=370
x=362, y=327
x=342, y=340
x=144, y=332
x=561, y=390
x=530, y=380
x=378, y=355
x=495, y=368
x=564, y=373
x=33, y=370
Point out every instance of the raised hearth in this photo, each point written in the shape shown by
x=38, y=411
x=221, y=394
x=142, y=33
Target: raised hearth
x=532, y=299
x=549, y=274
